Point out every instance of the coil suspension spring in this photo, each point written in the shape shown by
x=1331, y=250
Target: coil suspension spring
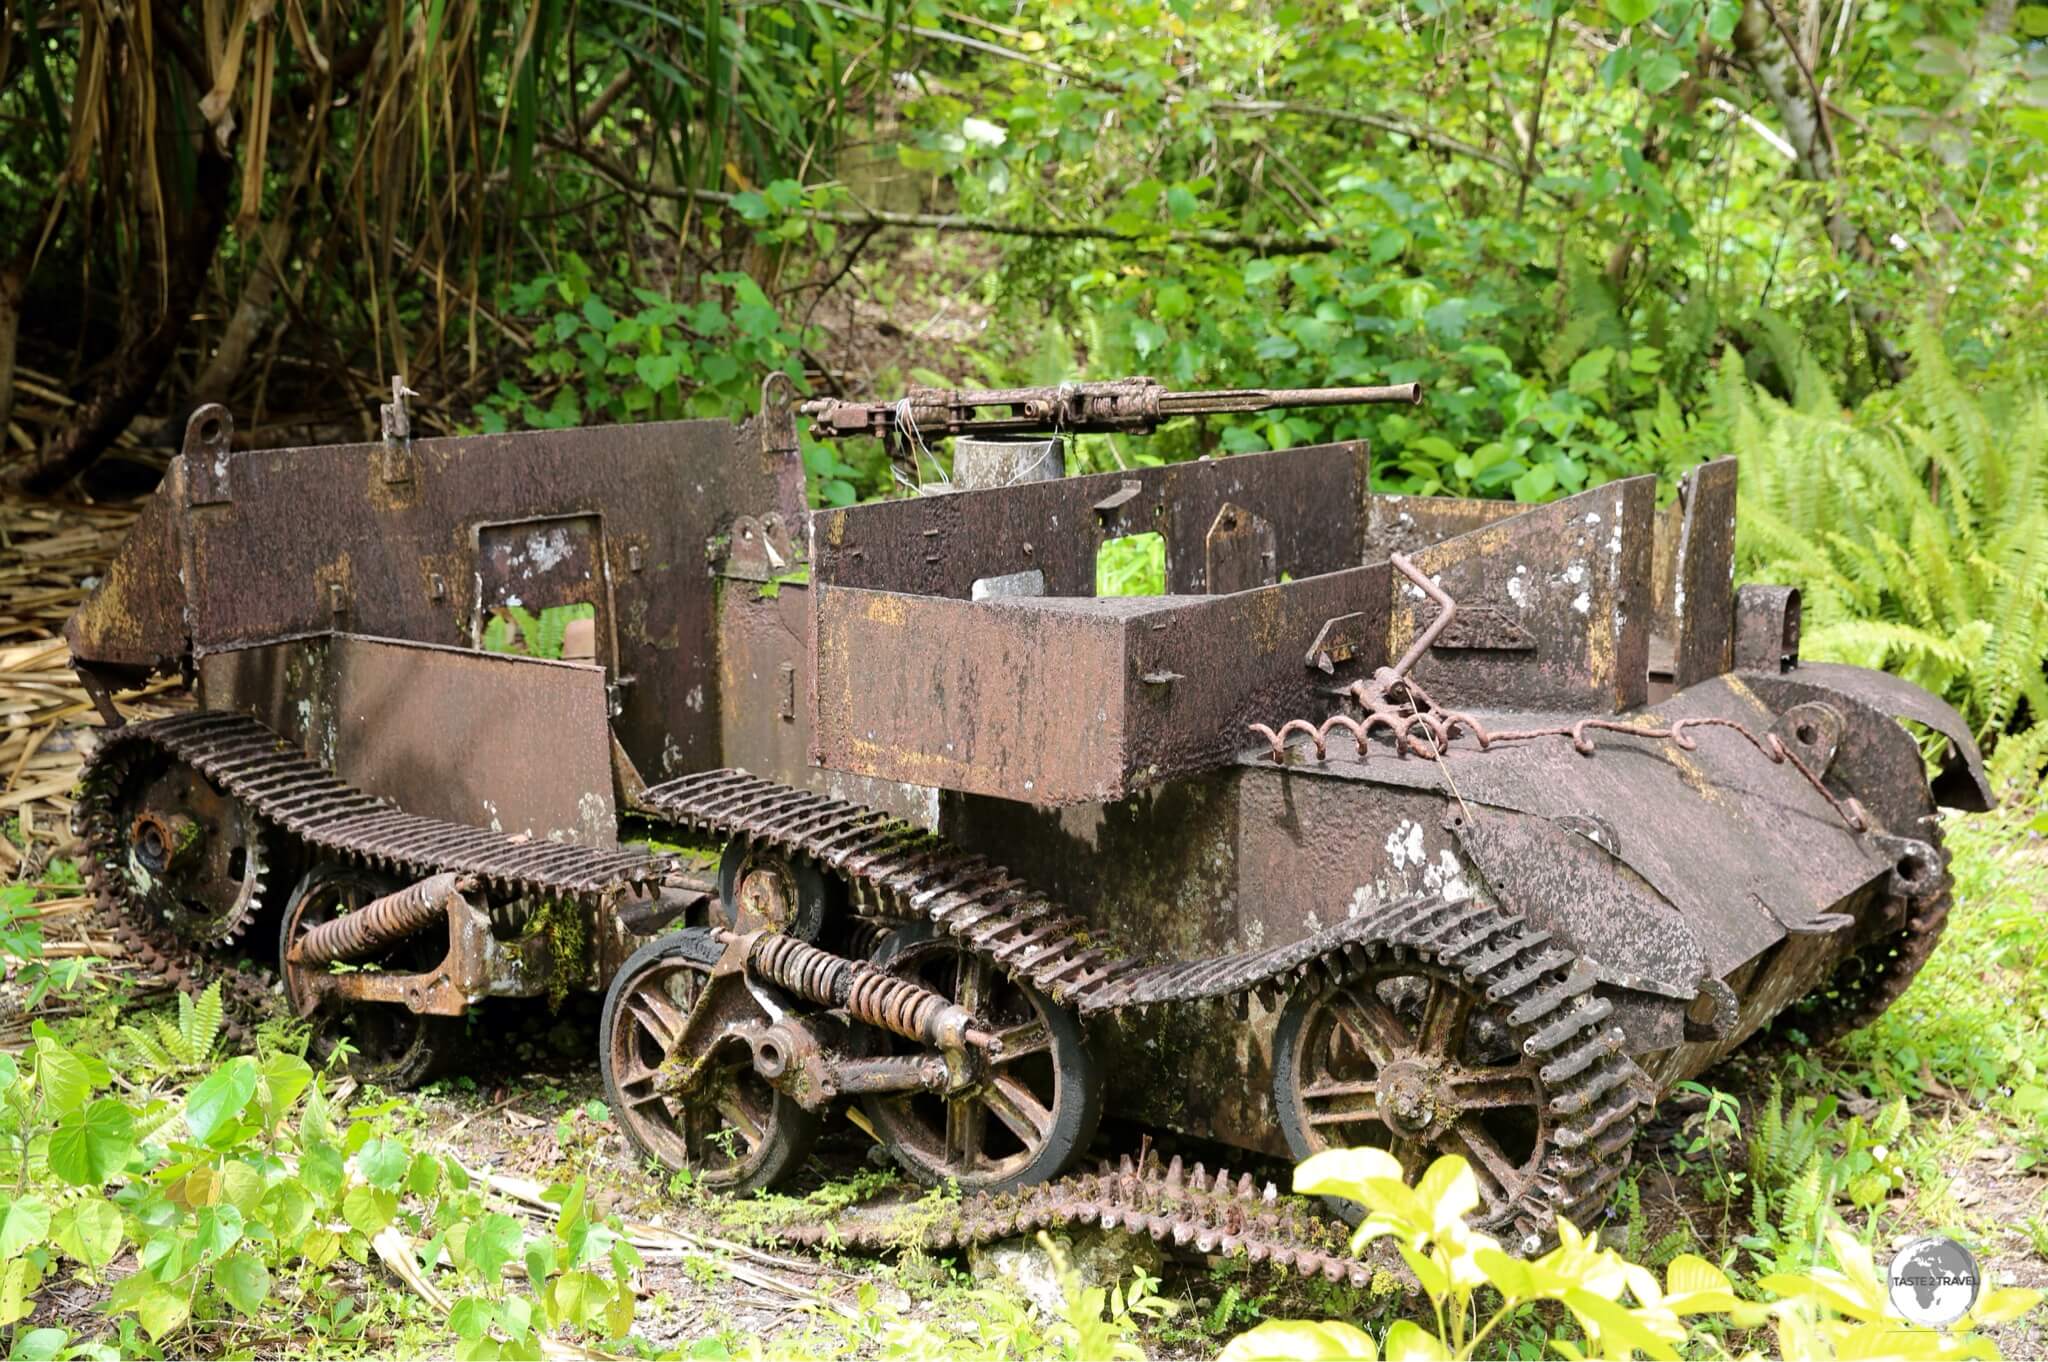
x=900, y=1006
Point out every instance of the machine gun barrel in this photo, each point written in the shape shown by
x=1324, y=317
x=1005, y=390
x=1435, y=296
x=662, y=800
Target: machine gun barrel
x=1136, y=405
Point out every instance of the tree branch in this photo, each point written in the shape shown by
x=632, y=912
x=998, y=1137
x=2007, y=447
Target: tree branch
x=1766, y=51
x=129, y=377
x=1257, y=242
x=1400, y=127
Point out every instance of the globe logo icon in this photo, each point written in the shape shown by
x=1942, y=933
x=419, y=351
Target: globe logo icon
x=1934, y=1281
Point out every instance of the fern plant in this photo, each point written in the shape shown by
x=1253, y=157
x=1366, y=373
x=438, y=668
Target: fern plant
x=1917, y=532
x=185, y=1045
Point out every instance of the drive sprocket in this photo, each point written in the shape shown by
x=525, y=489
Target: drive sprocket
x=126, y=783
x=185, y=855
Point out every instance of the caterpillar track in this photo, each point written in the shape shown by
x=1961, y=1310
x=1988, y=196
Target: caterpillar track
x=300, y=800
x=895, y=870
x=1186, y=1207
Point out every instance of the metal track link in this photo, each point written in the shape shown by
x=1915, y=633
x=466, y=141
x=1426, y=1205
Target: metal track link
x=1597, y=1089
x=289, y=792
x=1188, y=1208
x=282, y=786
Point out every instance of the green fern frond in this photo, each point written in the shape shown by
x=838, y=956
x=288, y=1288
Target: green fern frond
x=151, y=1050
x=199, y=1023
x=1917, y=530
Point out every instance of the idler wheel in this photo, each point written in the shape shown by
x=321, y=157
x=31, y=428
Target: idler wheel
x=1034, y=1106
x=1876, y=973
x=763, y=886
x=736, y=1132
x=1408, y=1056
x=389, y=1045
x=198, y=860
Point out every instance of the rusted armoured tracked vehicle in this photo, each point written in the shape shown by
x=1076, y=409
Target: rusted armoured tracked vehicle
x=1446, y=825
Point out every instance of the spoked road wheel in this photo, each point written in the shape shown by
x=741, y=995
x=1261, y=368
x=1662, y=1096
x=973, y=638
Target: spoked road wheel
x=391, y=1045
x=736, y=1133
x=1483, y=1048
x=1037, y=1106
x=1411, y=1064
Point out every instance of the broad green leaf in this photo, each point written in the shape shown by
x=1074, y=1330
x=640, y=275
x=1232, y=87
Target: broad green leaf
x=2002, y=1305
x=1631, y=12
x=321, y=1170
x=423, y=1175
x=243, y=1281
x=1408, y=1341
x=241, y=1186
x=578, y=1298
x=319, y=1247
x=216, y=1229
x=219, y=1098
x=1345, y=1172
x=18, y=1281
x=23, y=1222
x=88, y=1232
x=1300, y=1340
x=471, y=1318
x=658, y=371
x=383, y=1162
x=39, y=1345
x=368, y=1209
x=65, y=1078
x=493, y=1242
x=161, y=1309
x=284, y=1078
x=1449, y=1189
x=92, y=1143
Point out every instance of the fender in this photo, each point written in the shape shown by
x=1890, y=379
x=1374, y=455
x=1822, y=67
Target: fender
x=1962, y=783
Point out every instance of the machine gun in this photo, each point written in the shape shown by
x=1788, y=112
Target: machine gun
x=1133, y=405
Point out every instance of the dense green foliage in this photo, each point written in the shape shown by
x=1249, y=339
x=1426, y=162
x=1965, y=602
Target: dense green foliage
x=1608, y=237
x=1917, y=530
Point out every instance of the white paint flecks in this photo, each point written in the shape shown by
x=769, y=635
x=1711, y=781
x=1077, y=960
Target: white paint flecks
x=1404, y=845
x=1583, y=602
x=1447, y=877
x=594, y=816
x=547, y=549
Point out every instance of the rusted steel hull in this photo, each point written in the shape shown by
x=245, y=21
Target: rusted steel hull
x=1547, y=762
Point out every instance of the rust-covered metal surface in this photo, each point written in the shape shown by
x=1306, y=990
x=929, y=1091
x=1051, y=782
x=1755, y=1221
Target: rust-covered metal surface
x=385, y=715
x=306, y=541
x=1064, y=699
x=941, y=545
x=1370, y=765
x=1574, y=574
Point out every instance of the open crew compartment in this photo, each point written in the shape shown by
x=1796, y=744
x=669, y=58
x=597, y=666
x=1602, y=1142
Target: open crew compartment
x=960, y=642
